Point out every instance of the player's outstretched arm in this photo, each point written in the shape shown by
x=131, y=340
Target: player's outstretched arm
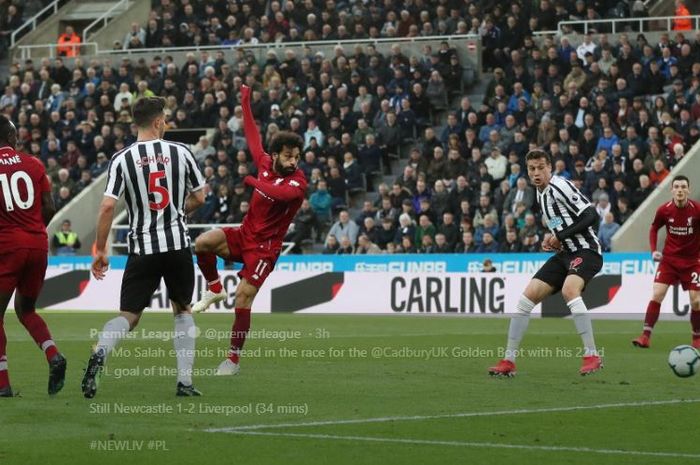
x=252, y=134
x=104, y=223
x=588, y=218
x=282, y=192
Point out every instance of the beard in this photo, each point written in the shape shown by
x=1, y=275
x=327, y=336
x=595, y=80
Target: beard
x=280, y=168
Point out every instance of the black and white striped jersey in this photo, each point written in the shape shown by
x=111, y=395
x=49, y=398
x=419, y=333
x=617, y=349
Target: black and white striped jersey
x=155, y=177
x=562, y=204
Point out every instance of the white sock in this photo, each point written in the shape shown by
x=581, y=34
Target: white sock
x=114, y=330
x=582, y=320
x=518, y=326
x=184, y=347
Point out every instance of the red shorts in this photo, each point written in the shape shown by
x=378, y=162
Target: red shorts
x=672, y=271
x=258, y=259
x=24, y=270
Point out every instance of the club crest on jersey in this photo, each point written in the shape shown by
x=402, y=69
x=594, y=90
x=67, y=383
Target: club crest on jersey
x=266, y=174
x=294, y=183
x=555, y=222
x=575, y=263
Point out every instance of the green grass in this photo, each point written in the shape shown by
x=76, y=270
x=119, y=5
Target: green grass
x=289, y=388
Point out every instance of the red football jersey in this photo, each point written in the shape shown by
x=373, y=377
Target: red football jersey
x=682, y=233
x=276, y=198
x=22, y=182
x=269, y=215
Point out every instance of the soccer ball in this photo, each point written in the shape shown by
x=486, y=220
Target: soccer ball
x=684, y=361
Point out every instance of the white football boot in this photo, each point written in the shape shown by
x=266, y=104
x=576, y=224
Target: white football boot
x=228, y=368
x=208, y=299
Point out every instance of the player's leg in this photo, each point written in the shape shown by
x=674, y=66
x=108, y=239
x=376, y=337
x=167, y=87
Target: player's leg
x=582, y=269
x=10, y=263
x=141, y=278
x=548, y=279
x=179, y=279
x=5, y=389
x=30, y=282
x=658, y=293
x=535, y=292
x=245, y=295
x=207, y=247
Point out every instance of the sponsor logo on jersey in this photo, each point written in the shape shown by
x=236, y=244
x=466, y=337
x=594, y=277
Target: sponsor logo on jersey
x=555, y=222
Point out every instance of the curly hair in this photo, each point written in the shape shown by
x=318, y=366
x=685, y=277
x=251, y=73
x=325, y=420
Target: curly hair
x=286, y=139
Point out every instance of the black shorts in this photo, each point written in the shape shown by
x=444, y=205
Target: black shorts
x=584, y=263
x=143, y=274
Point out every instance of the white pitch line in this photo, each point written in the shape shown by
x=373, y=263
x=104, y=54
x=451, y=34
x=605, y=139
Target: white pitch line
x=490, y=445
x=231, y=429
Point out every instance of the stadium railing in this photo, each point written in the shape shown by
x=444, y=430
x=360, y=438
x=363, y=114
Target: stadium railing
x=34, y=21
x=120, y=247
x=105, y=18
x=49, y=51
x=619, y=25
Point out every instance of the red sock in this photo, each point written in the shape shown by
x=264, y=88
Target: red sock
x=695, y=323
x=239, y=331
x=4, y=377
x=207, y=264
x=36, y=327
x=652, y=316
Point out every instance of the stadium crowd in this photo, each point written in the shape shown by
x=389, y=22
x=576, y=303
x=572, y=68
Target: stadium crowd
x=616, y=117
x=232, y=22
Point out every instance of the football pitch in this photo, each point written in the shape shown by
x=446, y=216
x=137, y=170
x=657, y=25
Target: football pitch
x=354, y=390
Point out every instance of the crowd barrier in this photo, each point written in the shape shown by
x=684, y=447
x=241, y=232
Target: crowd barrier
x=383, y=284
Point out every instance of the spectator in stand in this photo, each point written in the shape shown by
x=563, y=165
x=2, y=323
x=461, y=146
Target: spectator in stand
x=467, y=245
x=65, y=241
x=406, y=228
x=332, y=245
x=366, y=246
x=488, y=244
x=681, y=22
x=607, y=230
x=135, y=38
x=68, y=43
x=346, y=246
x=321, y=202
x=305, y=222
x=344, y=228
